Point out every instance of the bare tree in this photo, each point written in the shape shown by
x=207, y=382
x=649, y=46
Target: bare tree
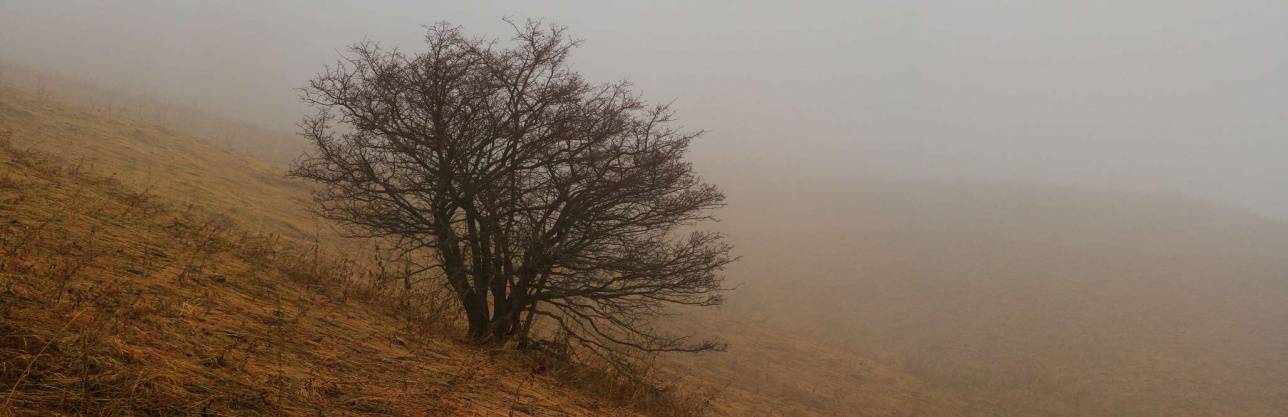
x=535, y=193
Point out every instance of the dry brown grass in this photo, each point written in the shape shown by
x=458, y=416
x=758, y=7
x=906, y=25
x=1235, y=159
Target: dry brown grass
x=266, y=275
x=117, y=301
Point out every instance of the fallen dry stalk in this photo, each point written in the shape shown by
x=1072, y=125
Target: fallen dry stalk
x=12, y=391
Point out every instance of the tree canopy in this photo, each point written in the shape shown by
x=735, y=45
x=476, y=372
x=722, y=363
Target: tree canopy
x=534, y=193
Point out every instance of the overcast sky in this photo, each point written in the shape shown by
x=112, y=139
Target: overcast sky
x=1164, y=96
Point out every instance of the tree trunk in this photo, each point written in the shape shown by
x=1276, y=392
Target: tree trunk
x=477, y=313
x=523, y=327
x=500, y=326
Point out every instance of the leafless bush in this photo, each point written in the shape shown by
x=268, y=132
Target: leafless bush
x=536, y=194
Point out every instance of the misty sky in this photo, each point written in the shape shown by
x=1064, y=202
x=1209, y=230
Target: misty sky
x=1163, y=96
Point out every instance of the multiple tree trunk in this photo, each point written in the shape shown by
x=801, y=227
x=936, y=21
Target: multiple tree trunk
x=534, y=193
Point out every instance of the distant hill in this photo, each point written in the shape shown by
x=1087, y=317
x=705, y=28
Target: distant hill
x=1040, y=300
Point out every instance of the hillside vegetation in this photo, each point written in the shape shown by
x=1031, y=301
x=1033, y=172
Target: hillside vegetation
x=150, y=190
x=164, y=272
x=144, y=272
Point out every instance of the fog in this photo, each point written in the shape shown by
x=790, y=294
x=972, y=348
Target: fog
x=1170, y=97
x=1038, y=208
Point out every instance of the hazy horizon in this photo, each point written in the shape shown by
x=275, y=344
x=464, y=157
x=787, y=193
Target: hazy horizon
x=1165, y=97
x=965, y=208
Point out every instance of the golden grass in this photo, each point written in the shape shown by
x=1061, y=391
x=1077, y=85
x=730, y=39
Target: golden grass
x=271, y=271
x=169, y=164
x=116, y=300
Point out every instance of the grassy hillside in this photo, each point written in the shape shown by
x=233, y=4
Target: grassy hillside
x=161, y=270
x=1037, y=300
x=167, y=163
x=117, y=303
x=255, y=277
x=146, y=272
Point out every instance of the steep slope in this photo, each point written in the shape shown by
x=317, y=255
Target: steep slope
x=793, y=376
x=863, y=299
x=114, y=303
x=146, y=272
x=164, y=162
